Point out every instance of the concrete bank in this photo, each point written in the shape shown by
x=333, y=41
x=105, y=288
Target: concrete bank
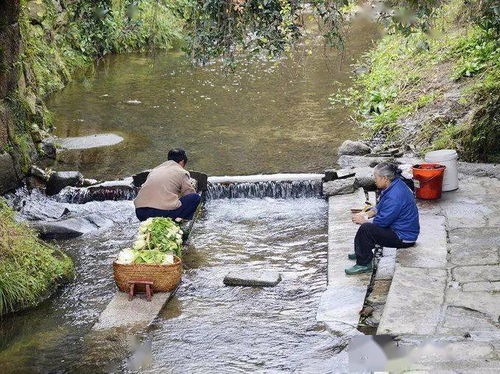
x=440, y=299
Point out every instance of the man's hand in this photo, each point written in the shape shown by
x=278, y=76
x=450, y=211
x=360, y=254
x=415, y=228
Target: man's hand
x=360, y=218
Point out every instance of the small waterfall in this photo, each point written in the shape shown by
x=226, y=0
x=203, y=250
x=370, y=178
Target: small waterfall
x=77, y=195
x=275, y=189
x=280, y=186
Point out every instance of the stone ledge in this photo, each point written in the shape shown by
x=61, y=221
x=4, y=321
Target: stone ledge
x=430, y=250
x=414, y=301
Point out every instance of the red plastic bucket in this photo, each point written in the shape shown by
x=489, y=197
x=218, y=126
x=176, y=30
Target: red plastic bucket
x=428, y=180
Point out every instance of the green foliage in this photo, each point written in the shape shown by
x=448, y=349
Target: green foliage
x=54, y=50
x=29, y=268
x=226, y=27
x=475, y=54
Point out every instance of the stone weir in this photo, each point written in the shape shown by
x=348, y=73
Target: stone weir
x=249, y=186
x=282, y=186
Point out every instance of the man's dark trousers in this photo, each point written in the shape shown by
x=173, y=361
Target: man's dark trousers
x=369, y=235
x=186, y=210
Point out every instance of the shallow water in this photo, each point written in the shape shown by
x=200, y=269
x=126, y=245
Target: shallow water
x=206, y=327
x=265, y=117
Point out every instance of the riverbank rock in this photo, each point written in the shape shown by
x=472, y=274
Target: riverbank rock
x=252, y=278
x=71, y=227
x=61, y=179
x=361, y=161
x=8, y=176
x=340, y=187
x=350, y=147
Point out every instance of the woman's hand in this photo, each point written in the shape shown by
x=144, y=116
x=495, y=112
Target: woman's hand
x=360, y=218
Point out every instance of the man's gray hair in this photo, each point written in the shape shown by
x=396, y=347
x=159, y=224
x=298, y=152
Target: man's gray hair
x=388, y=169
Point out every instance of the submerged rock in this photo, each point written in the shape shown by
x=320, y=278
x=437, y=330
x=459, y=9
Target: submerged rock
x=71, y=227
x=61, y=179
x=252, y=278
x=91, y=141
x=350, y=147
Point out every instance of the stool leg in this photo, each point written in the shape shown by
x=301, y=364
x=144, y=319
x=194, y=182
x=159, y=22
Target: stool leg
x=131, y=291
x=148, y=292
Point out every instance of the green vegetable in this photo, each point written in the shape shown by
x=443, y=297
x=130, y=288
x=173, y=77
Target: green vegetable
x=149, y=257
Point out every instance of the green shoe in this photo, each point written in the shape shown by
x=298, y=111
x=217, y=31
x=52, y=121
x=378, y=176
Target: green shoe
x=358, y=269
x=351, y=256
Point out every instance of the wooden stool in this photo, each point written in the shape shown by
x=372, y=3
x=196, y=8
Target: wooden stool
x=146, y=282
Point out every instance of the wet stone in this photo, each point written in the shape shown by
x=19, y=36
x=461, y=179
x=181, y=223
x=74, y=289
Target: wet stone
x=8, y=177
x=252, y=278
x=340, y=187
x=91, y=141
x=61, y=179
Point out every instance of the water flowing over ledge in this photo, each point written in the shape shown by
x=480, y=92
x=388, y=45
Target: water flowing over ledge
x=281, y=186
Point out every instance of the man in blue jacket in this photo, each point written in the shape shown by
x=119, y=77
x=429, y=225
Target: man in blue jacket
x=395, y=223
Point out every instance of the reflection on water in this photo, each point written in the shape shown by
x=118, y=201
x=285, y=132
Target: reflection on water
x=206, y=327
x=264, y=117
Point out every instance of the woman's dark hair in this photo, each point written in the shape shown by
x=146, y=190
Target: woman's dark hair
x=177, y=155
x=389, y=170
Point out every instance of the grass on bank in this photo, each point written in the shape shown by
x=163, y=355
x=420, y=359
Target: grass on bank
x=409, y=72
x=29, y=268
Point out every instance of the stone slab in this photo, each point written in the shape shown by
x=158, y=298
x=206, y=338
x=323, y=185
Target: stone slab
x=386, y=264
x=476, y=273
x=482, y=301
x=414, y=301
x=474, y=246
x=91, y=141
x=481, y=286
x=139, y=312
x=252, y=278
x=341, y=304
x=340, y=187
x=430, y=250
x=459, y=320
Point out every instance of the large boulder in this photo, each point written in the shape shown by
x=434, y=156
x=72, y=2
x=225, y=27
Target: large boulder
x=8, y=176
x=350, y=147
x=340, y=187
x=61, y=179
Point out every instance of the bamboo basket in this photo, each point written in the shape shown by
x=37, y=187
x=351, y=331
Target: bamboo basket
x=165, y=277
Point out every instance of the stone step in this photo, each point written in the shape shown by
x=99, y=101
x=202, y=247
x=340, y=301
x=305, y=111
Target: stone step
x=416, y=295
x=139, y=312
x=341, y=303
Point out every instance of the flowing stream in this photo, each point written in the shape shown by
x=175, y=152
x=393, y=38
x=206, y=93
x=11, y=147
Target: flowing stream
x=206, y=327
x=265, y=117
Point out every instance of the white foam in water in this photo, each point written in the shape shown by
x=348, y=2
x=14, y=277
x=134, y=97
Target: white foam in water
x=283, y=177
